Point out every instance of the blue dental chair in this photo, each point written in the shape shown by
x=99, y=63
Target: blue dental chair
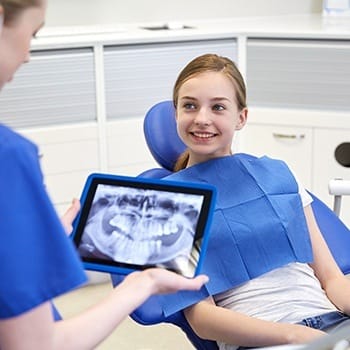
x=166, y=146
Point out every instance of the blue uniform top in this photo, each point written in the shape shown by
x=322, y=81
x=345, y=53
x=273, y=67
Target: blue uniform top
x=258, y=223
x=38, y=261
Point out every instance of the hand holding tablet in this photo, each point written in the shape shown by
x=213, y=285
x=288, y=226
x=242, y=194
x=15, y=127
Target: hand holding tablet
x=130, y=223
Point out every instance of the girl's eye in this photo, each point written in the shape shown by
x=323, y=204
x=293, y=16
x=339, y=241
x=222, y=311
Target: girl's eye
x=189, y=106
x=218, y=107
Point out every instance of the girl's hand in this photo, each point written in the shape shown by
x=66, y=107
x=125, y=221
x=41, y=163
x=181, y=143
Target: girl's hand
x=69, y=216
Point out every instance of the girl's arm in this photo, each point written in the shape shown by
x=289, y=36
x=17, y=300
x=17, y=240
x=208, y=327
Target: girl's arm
x=333, y=281
x=37, y=330
x=216, y=323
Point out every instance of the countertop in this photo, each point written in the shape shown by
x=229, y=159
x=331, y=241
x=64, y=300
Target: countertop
x=295, y=26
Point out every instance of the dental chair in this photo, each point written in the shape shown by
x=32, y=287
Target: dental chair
x=165, y=146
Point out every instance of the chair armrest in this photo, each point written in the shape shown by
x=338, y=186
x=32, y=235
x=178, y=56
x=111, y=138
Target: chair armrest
x=339, y=187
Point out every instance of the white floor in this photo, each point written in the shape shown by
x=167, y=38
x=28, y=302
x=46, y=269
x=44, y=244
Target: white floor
x=129, y=335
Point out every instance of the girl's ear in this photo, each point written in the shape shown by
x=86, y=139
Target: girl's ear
x=242, y=119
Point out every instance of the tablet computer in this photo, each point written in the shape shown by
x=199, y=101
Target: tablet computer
x=133, y=223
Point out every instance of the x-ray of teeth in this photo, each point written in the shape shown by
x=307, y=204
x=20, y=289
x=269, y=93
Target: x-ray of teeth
x=142, y=227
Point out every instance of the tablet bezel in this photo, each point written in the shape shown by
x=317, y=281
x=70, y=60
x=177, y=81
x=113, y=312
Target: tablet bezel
x=204, y=220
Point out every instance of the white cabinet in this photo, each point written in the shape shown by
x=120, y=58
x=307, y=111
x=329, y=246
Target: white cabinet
x=292, y=144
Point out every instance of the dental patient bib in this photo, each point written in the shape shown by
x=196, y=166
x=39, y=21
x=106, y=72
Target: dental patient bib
x=258, y=223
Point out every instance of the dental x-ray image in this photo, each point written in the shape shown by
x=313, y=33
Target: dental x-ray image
x=145, y=227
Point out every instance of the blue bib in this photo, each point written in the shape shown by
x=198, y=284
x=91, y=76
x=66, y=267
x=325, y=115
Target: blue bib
x=258, y=223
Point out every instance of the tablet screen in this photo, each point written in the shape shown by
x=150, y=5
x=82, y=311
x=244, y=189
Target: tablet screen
x=131, y=223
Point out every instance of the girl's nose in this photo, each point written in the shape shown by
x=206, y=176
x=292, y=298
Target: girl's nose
x=202, y=117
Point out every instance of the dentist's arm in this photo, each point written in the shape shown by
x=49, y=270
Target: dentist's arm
x=37, y=330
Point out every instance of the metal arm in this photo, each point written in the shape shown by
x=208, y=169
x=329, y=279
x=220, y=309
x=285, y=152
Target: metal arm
x=338, y=188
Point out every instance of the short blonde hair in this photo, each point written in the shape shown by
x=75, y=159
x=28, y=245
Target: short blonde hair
x=12, y=8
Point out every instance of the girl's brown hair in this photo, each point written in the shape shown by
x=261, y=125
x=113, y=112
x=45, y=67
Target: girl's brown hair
x=209, y=63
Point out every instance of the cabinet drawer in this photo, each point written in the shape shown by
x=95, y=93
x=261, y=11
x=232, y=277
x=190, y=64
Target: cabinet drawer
x=68, y=155
x=291, y=144
x=62, y=188
x=305, y=74
x=66, y=149
x=55, y=87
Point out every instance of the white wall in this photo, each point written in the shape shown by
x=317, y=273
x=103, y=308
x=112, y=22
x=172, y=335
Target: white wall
x=84, y=12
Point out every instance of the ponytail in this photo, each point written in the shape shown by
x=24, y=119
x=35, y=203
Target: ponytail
x=182, y=161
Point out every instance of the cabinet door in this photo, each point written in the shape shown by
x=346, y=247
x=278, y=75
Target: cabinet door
x=291, y=144
x=326, y=166
x=127, y=150
x=68, y=155
x=55, y=87
x=138, y=76
x=304, y=74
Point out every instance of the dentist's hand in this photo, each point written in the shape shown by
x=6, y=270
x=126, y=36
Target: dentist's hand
x=161, y=281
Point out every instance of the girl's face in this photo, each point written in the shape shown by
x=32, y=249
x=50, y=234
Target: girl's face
x=207, y=116
x=15, y=40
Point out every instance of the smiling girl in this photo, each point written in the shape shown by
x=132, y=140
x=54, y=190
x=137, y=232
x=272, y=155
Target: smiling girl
x=273, y=279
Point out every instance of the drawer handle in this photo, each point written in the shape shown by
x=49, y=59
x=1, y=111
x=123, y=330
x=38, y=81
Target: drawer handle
x=288, y=136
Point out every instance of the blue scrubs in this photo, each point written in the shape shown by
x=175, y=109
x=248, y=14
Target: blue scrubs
x=258, y=223
x=38, y=261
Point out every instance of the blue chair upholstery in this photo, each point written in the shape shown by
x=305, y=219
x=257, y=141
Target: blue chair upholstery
x=166, y=146
x=161, y=135
x=335, y=233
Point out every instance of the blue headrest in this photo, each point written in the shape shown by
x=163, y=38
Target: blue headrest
x=161, y=135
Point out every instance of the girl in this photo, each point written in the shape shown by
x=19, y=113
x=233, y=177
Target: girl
x=273, y=279
x=38, y=260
